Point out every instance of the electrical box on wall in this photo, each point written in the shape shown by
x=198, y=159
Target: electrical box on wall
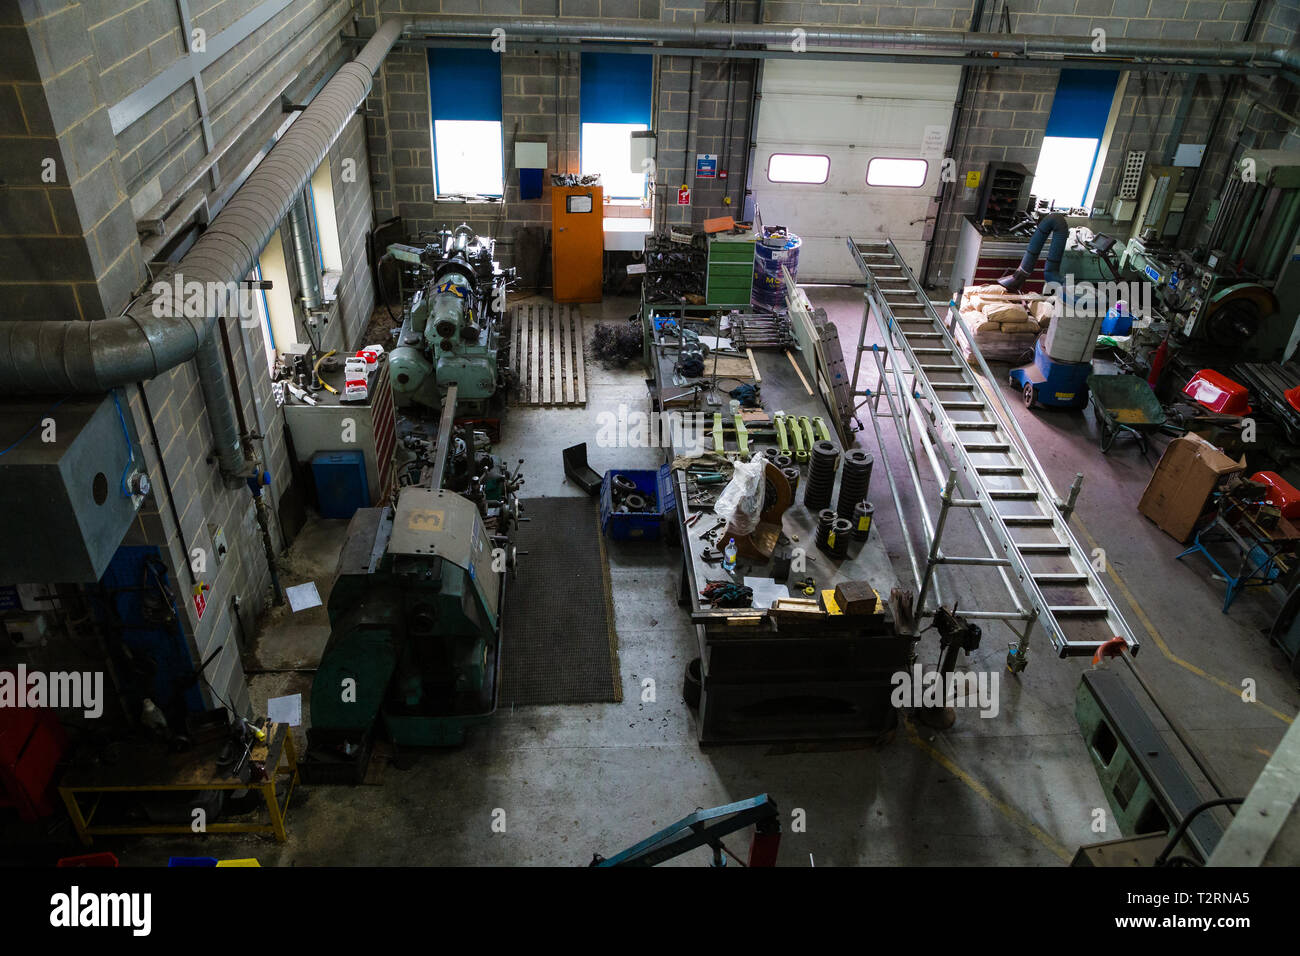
x=530, y=155
x=644, y=147
x=74, y=468
x=1121, y=210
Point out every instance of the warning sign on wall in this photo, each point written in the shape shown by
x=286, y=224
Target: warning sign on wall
x=200, y=599
x=684, y=196
x=706, y=166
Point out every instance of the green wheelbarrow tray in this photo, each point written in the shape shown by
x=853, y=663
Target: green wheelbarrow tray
x=1124, y=404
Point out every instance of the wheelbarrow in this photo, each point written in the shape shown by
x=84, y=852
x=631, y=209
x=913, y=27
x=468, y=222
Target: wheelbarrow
x=1124, y=404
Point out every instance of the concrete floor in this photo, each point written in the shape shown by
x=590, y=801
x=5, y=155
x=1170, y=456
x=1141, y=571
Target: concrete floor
x=1017, y=789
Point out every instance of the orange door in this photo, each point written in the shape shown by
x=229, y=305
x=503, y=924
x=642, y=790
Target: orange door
x=577, y=243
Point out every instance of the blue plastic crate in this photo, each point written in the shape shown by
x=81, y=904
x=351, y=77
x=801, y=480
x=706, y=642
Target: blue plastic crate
x=341, y=484
x=642, y=525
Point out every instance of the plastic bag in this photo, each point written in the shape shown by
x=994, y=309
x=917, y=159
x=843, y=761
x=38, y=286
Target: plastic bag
x=741, y=502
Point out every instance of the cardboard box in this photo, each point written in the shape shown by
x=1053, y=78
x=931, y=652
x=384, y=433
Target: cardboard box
x=1186, y=475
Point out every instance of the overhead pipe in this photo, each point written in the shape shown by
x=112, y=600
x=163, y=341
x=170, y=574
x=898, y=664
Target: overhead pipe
x=732, y=34
x=155, y=334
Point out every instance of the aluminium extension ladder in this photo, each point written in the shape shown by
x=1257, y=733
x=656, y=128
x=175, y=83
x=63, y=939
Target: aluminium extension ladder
x=977, y=451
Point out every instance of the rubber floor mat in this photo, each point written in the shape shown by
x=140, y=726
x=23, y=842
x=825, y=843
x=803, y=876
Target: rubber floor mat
x=559, y=645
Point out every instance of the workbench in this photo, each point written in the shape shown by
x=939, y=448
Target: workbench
x=139, y=766
x=1265, y=555
x=764, y=680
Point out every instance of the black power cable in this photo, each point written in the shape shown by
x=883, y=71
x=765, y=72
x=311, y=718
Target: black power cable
x=1163, y=859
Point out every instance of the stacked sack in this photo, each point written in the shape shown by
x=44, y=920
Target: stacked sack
x=1004, y=325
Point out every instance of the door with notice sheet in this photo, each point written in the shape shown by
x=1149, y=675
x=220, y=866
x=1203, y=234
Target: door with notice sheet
x=577, y=243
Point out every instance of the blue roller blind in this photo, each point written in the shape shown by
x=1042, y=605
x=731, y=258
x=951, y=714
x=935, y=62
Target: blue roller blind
x=465, y=85
x=615, y=87
x=1082, y=103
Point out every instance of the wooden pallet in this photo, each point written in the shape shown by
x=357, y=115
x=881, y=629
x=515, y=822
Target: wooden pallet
x=546, y=344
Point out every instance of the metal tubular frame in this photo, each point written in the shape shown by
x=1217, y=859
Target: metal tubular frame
x=902, y=375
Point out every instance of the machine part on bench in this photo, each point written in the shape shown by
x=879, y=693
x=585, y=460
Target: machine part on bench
x=791, y=474
x=805, y=423
x=825, y=526
x=864, y=513
x=821, y=476
x=782, y=442
x=855, y=481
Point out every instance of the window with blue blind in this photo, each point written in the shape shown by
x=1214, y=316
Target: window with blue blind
x=465, y=105
x=615, y=96
x=1069, y=163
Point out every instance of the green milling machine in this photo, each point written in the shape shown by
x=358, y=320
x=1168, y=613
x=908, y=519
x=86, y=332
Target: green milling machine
x=416, y=612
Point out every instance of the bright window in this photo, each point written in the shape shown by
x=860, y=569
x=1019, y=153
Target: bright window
x=607, y=150
x=277, y=302
x=798, y=168
x=1065, y=164
x=261, y=313
x=614, y=101
x=465, y=104
x=321, y=187
x=469, y=158
x=910, y=173
x=1069, y=162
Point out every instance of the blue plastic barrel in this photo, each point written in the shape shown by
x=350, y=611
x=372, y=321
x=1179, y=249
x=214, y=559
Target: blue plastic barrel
x=770, y=254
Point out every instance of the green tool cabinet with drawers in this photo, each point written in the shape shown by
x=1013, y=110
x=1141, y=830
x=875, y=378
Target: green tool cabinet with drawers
x=730, y=271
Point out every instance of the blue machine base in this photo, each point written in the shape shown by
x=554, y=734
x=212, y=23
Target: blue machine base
x=1050, y=383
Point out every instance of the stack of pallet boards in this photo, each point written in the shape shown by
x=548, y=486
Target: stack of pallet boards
x=1004, y=325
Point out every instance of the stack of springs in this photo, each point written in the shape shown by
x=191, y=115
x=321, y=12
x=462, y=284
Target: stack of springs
x=854, y=482
x=833, y=533
x=821, y=476
x=864, y=513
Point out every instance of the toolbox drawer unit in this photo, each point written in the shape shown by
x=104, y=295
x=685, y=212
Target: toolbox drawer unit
x=730, y=272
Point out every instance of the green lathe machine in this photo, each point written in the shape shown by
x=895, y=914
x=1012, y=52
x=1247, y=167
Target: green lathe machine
x=415, y=612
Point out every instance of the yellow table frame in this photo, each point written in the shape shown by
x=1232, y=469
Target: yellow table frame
x=286, y=765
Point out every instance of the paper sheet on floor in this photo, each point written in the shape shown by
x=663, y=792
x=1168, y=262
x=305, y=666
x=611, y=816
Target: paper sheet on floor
x=302, y=596
x=766, y=591
x=285, y=710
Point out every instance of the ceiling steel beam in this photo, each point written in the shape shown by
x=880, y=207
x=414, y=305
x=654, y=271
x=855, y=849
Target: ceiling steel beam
x=1042, y=62
x=182, y=70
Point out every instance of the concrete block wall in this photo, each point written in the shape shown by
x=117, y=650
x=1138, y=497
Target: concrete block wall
x=1010, y=106
x=355, y=215
x=539, y=103
x=69, y=247
x=67, y=234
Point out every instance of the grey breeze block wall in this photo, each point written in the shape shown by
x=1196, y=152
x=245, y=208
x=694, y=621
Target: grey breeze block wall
x=1007, y=109
x=70, y=248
